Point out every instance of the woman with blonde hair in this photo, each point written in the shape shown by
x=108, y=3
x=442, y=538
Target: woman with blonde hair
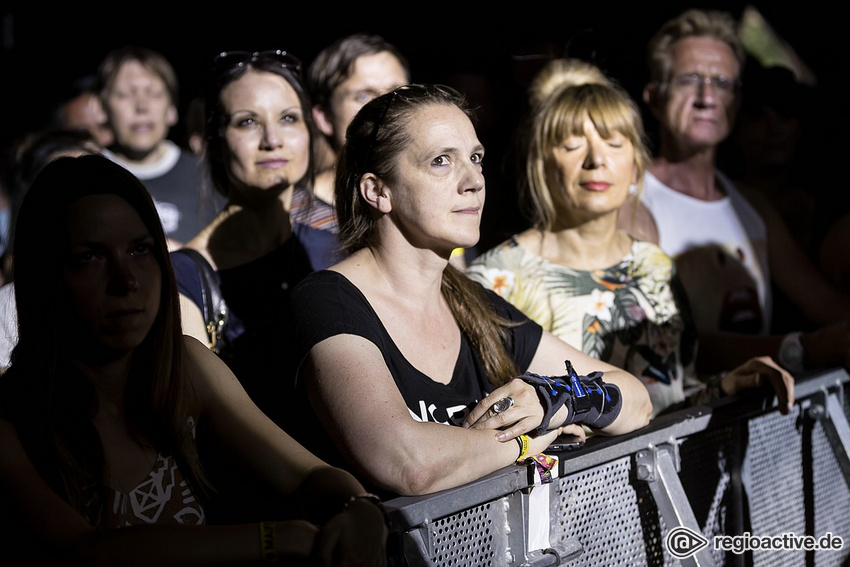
x=575, y=272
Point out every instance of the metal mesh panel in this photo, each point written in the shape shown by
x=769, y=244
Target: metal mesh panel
x=773, y=481
x=599, y=508
x=616, y=519
x=767, y=475
x=653, y=527
x=831, y=499
x=469, y=538
x=707, y=463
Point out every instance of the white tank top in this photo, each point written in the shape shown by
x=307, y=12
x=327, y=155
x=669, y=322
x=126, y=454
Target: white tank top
x=696, y=233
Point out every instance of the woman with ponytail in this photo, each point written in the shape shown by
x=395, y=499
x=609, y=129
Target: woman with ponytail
x=413, y=375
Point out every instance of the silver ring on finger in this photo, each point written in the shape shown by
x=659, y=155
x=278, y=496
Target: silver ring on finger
x=502, y=405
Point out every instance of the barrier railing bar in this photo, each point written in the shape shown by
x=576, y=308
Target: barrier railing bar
x=837, y=430
x=659, y=468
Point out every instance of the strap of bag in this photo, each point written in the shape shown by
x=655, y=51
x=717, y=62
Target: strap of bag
x=213, y=305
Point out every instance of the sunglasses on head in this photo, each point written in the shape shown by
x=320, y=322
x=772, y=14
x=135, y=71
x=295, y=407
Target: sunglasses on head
x=231, y=59
x=410, y=93
x=417, y=91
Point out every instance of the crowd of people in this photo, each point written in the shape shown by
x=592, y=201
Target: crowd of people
x=268, y=331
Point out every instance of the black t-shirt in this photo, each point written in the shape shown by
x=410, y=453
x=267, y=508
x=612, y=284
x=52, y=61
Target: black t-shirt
x=327, y=304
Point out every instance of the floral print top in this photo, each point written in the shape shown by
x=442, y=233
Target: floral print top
x=631, y=314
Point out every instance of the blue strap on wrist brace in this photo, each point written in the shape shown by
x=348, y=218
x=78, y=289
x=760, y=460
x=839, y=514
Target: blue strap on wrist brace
x=589, y=400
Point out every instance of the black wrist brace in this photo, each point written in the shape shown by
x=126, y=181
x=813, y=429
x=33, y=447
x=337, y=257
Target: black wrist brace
x=589, y=400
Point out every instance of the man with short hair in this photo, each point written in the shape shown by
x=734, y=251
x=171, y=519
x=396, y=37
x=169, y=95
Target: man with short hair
x=139, y=94
x=343, y=77
x=730, y=246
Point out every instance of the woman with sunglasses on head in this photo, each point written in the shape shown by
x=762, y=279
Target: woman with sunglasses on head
x=272, y=231
x=399, y=346
x=258, y=135
x=106, y=401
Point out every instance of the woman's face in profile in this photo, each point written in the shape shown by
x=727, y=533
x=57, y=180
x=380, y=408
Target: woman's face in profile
x=267, y=140
x=111, y=273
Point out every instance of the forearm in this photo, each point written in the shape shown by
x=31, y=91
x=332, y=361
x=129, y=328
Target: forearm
x=611, y=401
x=810, y=290
x=352, y=523
x=325, y=492
x=635, y=406
x=636, y=409
x=440, y=457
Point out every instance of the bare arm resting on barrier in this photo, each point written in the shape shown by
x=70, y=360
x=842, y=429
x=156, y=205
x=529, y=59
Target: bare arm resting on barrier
x=358, y=401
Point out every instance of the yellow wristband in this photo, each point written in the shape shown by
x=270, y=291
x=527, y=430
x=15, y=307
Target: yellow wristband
x=267, y=546
x=523, y=441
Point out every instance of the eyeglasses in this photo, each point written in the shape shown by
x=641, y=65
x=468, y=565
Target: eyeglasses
x=411, y=93
x=231, y=59
x=723, y=86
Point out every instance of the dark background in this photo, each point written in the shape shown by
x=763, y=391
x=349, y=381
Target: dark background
x=44, y=48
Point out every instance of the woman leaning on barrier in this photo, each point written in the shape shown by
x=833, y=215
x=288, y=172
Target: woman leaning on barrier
x=399, y=346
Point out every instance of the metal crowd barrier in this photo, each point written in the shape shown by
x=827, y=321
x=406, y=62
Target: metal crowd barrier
x=736, y=471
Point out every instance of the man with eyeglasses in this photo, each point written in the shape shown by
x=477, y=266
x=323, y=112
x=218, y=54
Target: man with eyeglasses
x=729, y=244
